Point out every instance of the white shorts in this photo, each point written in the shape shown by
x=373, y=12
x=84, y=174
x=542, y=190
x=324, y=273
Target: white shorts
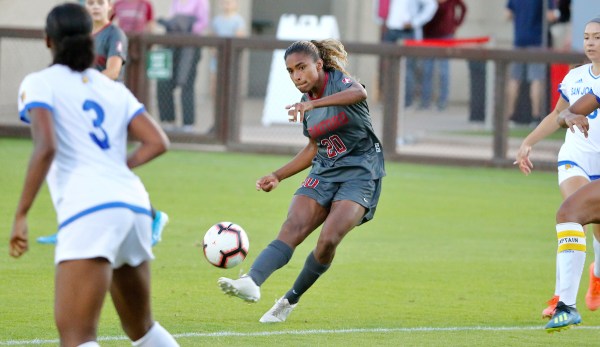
x=117, y=234
x=566, y=171
x=573, y=162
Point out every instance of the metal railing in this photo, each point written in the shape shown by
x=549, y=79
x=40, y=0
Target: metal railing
x=227, y=103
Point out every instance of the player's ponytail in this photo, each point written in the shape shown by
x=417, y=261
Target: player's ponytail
x=69, y=28
x=331, y=51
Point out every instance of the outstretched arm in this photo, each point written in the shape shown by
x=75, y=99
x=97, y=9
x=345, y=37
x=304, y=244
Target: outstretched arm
x=44, y=148
x=353, y=95
x=301, y=161
x=545, y=128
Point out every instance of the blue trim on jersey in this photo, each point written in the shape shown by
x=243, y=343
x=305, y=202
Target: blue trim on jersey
x=29, y=106
x=597, y=97
x=138, y=112
x=592, y=73
x=97, y=208
x=563, y=95
x=572, y=163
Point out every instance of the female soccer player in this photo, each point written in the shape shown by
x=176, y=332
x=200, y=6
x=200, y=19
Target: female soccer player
x=578, y=159
x=110, y=47
x=80, y=120
x=344, y=184
x=583, y=206
x=110, y=41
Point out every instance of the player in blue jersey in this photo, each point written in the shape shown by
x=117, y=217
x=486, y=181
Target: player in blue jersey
x=80, y=122
x=110, y=47
x=580, y=208
x=343, y=186
x=578, y=162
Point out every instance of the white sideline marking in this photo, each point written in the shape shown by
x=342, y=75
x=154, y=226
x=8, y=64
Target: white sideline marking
x=306, y=332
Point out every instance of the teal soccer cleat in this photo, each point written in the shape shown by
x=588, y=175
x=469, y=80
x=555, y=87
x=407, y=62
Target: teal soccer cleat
x=47, y=240
x=564, y=317
x=158, y=224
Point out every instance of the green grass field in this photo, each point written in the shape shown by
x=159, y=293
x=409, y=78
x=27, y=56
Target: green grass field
x=454, y=257
x=520, y=132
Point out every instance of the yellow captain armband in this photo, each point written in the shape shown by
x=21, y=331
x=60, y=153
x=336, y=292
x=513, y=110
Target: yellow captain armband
x=571, y=240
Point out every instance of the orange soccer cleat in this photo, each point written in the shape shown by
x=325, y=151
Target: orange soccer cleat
x=592, y=297
x=548, y=312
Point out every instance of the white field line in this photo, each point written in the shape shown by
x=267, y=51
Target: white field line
x=305, y=332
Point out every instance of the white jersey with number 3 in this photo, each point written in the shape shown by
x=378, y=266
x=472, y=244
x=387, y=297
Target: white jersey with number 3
x=91, y=114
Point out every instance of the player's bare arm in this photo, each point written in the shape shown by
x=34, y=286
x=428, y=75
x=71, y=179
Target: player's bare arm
x=548, y=126
x=44, y=149
x=153, y=139
x=301, y=161
x=353, y=95
x=576, y=114
x=114, y=65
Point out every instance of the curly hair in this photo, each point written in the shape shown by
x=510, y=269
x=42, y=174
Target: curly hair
x=331, y=51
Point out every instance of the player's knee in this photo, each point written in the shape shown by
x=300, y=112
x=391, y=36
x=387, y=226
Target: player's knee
x=294, y=231
x=567, y=212
x=328, y=243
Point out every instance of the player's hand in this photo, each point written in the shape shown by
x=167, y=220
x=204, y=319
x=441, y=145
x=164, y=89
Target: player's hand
x=571, y=120
x=525, y=164
x=18, y=243
x=296, y=111
x=267, y=183
x=576, y=120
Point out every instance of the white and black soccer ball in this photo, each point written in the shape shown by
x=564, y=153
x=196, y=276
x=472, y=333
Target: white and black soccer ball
x=226, y=245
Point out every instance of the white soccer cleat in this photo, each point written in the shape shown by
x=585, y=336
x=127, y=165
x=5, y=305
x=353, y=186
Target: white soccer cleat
x=244, y=288
x=279, y=312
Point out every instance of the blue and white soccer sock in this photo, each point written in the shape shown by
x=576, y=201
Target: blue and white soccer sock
x=557, y=285
x=571, y=259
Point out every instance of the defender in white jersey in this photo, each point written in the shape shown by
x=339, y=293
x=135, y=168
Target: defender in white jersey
x=80, y=121
x=578, y=164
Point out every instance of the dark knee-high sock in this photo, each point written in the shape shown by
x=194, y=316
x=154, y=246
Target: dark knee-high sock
x=276, y=255
x=308, y=276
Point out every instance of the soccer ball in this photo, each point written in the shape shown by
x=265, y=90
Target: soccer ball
x=226, y=245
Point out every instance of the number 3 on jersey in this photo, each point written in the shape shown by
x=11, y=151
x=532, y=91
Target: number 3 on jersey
x=102, y=141
x=335, y=145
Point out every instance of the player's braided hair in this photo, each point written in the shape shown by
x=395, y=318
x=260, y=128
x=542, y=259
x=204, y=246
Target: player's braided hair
x=69, y=27
x=331, y=51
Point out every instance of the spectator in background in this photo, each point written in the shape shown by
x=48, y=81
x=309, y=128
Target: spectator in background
x=561, y=29
x=448, y=17
x=405, y=20
x=227, y=23
x=134, y=16
x=528, y=22
x=191, y=17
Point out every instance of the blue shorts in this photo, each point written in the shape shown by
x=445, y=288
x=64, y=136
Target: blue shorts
x=364, y=193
